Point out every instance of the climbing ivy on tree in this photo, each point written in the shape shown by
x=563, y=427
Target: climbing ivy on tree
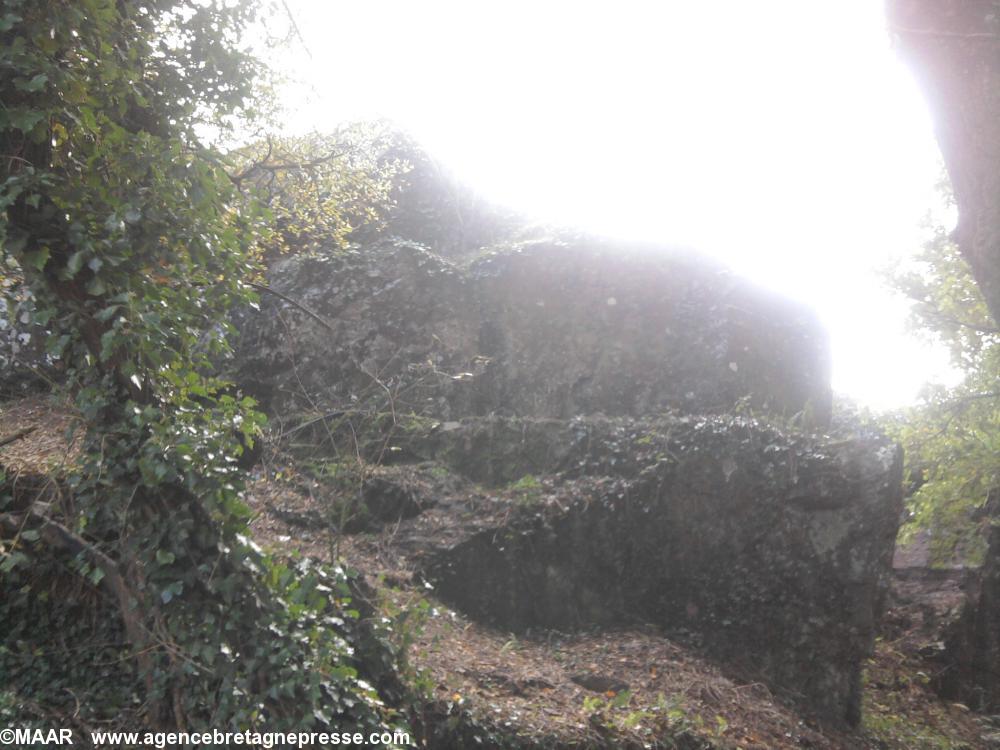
x=135, y=242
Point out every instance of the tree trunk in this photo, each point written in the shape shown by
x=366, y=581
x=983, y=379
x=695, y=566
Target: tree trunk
x=953, y=47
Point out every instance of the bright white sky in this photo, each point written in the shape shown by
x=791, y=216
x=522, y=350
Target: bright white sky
x=782, y=136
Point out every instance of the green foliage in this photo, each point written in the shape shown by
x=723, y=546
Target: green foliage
x=408, y=614
x=298, y=673
x=135, y=243
x=899, y=708
x=952, y=440
x=946, y=303
x=321, y=188
x=131, y=236
x=527, y=483
x=527, y=489
x=668, y=720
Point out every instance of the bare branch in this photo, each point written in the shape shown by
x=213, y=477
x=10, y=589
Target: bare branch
x=57, y=535
x=288, y=166
x=16, y=436
x=295, y=27
x=297, y=305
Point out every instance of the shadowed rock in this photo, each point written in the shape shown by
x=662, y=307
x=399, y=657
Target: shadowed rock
x=551, y=328
x=771, y=551
x=969, y=663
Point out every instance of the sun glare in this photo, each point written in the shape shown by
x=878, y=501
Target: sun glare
x=783, y=137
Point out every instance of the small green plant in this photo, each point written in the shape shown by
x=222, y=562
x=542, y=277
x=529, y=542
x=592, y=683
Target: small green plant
x=527, y=483
x=405, y=617
x=602, y=709
x=673, y=712
x=344, y=503
x=528, y=490
x=510, y=645
x=440, y=472
x=416, y=423
x=721, y=725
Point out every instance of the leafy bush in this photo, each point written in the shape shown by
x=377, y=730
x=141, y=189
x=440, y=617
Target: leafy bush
x=134, y=243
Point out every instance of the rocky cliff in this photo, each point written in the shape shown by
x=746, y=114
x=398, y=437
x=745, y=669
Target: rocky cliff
x=552, y=327
x=596, y=424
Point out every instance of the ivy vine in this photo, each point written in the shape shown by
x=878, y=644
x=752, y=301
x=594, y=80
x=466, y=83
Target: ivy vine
x=135, y=243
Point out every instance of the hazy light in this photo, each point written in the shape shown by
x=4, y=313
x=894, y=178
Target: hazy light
x=781, y=136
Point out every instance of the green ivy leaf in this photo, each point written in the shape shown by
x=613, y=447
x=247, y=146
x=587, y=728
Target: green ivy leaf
x=19, y=118
x=35, y=84
x=38, y=258
x=11, y=560
x=75, y=263
x=9, y=21
x=96, y=286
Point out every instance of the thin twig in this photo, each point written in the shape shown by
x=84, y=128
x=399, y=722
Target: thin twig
x=16, y=436
x=321, y=418
x=274, y=168
x=295, y=28
x=297, y=305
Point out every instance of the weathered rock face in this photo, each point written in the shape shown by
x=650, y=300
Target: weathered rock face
x=970, y=662
x=432, y=207
x=770, y=551
x=540, y=328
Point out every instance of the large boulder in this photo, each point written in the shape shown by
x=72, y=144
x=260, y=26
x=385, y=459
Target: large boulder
x=771, y=550
x=547, y=327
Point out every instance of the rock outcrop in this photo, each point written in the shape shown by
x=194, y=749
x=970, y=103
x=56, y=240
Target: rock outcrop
x=969, y=663
x=592, y=405
x=548, y=328
x=770, y=551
